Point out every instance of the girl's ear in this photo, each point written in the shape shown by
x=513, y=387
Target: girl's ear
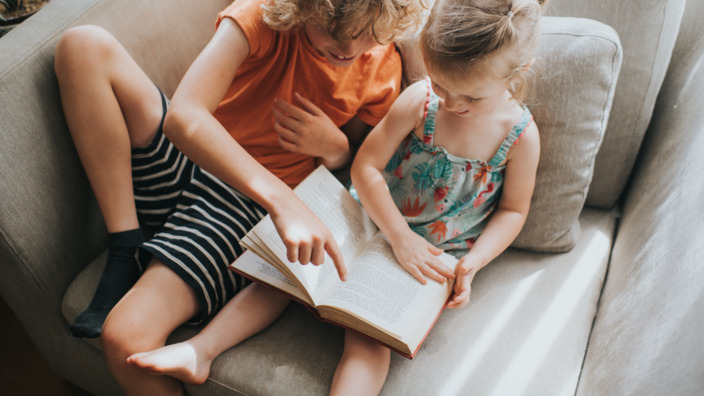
x=519, y=84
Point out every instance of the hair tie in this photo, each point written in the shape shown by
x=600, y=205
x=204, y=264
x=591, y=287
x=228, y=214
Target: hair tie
x=509, y=14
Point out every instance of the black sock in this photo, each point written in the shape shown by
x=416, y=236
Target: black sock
x=120, y=274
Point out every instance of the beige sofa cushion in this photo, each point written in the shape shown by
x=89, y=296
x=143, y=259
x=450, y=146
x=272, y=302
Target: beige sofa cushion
x=577, y=67
x=647, y=30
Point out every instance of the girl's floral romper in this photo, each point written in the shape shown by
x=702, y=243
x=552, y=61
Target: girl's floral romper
x=444, y=198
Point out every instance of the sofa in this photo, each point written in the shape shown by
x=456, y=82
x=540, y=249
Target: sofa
x=602, y=293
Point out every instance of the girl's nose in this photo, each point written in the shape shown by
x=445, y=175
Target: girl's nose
x=452, y=103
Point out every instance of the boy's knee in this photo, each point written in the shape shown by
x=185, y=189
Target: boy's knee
x=81, y=46
x=124, y=335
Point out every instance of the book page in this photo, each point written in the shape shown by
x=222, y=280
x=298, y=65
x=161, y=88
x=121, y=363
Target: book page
x=254, y=266
x=347, y=221
x=383, y=293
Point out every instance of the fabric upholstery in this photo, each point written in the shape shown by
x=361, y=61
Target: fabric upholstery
x=647, y=337
x=647, y=30
x=577, y=67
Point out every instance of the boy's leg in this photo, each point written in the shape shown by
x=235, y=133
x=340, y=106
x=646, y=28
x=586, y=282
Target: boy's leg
x=250, y=311
x=157, y=304
x=110, y=106
x=362, y=368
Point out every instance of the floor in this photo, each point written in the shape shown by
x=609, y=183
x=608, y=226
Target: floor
x=23, y=370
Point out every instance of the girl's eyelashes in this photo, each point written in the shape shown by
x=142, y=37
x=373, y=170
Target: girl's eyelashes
x=438, y=89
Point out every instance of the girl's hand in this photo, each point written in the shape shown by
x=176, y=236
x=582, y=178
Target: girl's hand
x=306, y=129
x=466, y=268
x=419, y=258
x=306, y=237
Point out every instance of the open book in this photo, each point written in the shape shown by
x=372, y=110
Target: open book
x=379, y=299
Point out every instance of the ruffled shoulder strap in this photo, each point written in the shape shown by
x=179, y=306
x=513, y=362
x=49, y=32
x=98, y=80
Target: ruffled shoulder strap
x=431, y=109
x=512, y=138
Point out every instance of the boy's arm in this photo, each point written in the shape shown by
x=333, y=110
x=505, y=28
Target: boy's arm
x=414, y=253
x=508, y=219
x=191, y=126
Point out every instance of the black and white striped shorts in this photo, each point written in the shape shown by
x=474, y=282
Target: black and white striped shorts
x=200, y=218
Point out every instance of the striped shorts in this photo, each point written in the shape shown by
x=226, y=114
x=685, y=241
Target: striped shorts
x=199, y=221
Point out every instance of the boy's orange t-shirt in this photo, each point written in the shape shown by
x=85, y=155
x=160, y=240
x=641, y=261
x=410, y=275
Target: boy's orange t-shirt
x=281, y=63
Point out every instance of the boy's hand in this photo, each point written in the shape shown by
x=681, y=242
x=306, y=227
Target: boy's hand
x=465, y=270
x=306, y=237
x=306, y=129
x=419, y=258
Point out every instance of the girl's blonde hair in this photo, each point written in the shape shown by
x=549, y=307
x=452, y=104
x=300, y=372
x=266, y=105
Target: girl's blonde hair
x=344, y=20
x=464, y=38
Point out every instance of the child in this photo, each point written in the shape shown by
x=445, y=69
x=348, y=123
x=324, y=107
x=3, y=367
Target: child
x=444, y=169
x=274, y=93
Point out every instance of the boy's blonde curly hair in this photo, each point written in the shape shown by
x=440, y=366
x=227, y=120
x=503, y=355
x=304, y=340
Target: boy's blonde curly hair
x=344, y=20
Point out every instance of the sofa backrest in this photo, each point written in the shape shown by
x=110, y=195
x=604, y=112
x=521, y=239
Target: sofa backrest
x=648, y=30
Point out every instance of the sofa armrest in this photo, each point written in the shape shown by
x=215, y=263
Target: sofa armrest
x=50, y=225
x=647, y=337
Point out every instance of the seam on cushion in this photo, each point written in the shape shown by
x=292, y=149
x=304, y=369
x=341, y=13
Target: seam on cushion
x=48, y=39
x=225, y=386
x=615, y=63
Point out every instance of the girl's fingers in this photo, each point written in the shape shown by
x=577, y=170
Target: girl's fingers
x=441, y=268
x=431, y=273
x=434, y=250
x=417, y=273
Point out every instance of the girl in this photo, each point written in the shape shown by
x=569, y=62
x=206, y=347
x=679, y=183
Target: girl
x=445, y=169
x=282, y=86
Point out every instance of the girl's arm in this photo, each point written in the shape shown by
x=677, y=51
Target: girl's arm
x=414, y=253
x=191, y=126
x=508, y=219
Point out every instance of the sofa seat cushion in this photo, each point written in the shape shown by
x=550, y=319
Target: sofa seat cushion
x=524, y=331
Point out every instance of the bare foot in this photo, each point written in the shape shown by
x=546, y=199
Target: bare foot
x=180, y=361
